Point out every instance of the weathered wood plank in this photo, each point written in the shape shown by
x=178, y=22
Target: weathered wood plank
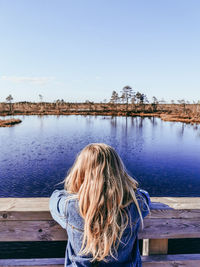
x=33, y=262
x=42, y=203
x=163, y=222
x=25, y=216
x=158, y=246
x=174, y=214
x=24, y=204
x=154, y=246
x=37, y=208
x=170, y=228
x=31, y=231
x=179, y=202
x=50, y=230
x=60, y=265
x=52, y=265
x=181, y=260
x=45, y=215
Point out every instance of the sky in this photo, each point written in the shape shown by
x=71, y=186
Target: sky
x=80, y=50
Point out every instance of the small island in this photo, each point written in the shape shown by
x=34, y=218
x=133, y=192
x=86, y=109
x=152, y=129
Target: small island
x=9, y=123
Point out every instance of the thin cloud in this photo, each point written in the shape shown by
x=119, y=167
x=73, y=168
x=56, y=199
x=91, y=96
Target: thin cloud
x=26, y=79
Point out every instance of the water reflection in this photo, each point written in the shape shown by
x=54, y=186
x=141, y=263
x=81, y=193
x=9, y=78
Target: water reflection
x=162, y=156
x=181, y=131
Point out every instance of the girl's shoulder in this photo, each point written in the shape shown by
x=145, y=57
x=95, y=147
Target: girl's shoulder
x=143, y=196
x=144, y=203
x=62, y=193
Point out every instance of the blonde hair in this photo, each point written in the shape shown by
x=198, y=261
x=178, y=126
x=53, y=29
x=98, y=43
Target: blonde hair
x=103, y=188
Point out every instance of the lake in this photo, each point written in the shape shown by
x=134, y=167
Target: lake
x=164, y=157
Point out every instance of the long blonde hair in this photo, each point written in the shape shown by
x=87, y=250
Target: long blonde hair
x=99, y=180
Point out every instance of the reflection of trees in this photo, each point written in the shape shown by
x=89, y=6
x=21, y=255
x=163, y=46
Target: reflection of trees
x=133, y=121
x=153, y=121
x=181, y=131
x=131, y=138
x=113, y=121
x=196, y=128
x=141, y=122
x=88, y=120
x=124, y=136
x=41, y=121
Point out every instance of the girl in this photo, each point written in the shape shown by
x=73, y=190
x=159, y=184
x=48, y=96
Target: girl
x=101, y=209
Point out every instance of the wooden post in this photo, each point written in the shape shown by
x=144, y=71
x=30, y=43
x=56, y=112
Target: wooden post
x=145, y=247
x=154, y=246
x=158, y=246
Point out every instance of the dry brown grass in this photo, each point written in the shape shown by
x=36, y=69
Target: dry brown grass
x=9, y=123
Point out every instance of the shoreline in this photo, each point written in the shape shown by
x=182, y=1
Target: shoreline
x=9, y=122
x=162, y=116
x=189, y=113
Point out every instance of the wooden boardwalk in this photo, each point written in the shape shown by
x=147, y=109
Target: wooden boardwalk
x=28, y=219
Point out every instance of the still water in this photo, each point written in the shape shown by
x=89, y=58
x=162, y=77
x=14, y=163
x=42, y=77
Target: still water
x=35, y=155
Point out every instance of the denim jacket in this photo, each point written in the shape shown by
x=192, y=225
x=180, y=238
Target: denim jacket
x=66, y=213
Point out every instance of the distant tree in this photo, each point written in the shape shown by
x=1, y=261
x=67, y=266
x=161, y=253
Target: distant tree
x=9, y=99
x=141, y=98
x=127, y=92
x=89, y=102
x=155, y=100
x=122, y=98
x=182, y=103
x=40, y=97
x=133, y=99
x=154, y=103
x=172, y=102
x=57, y=103
x=105, y=100
x=137, y=97
x=162, y=101
x=114, y=97
x=146, y=101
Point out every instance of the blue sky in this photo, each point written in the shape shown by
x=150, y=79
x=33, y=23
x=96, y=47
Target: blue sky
x=85, y=49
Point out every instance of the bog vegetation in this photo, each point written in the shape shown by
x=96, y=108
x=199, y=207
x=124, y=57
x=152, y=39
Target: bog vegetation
x=126, y=102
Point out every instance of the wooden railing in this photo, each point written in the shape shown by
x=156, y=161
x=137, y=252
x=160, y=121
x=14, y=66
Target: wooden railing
x=28, y=219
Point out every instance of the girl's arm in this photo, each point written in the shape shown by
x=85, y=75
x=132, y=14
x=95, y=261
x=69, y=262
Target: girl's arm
x=144, y=201
x=57, y=207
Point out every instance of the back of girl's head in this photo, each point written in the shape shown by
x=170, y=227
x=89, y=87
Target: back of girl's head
x=103, y=188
